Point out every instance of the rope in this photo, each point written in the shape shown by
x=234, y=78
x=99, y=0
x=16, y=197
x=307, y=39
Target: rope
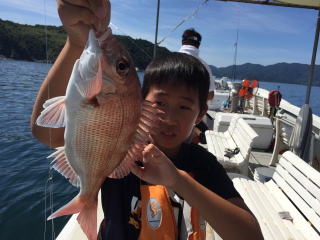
x=117, y=28
x=193, y=14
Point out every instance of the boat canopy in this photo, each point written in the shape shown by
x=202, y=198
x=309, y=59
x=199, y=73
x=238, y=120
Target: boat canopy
x=312, y=4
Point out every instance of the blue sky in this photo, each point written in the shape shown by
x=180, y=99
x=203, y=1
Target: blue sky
x=267, y=35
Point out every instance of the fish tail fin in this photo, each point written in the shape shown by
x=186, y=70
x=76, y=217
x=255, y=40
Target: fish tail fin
x=74, y=206
x=88, y=220
x=87, y=217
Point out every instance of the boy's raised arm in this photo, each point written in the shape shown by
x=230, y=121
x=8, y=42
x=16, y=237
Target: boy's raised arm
x=230, y=219
x=54, y=85
x=77, y=17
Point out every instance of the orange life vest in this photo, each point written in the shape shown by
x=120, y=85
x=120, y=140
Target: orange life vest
x=247, y=89
x=158, y=221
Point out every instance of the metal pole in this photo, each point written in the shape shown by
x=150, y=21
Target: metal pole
x=235, y=56
x=156, y=35
x=313, y=60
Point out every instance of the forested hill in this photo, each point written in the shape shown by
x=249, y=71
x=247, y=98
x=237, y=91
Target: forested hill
x=26, y=42
x=294, y=73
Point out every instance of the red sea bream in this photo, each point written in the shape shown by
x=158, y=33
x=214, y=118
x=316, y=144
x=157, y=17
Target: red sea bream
x=100, y=113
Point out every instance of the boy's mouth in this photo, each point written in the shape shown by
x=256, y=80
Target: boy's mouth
x=168, y=133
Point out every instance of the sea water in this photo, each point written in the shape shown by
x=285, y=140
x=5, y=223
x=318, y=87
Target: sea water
x=25, y=187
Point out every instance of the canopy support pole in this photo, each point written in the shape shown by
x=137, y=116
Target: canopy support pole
x=313, y=60
x=156, y=35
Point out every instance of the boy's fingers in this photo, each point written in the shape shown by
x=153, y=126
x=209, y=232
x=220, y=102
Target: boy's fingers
x=72, y=14
x=79, y=3
x=136, y=170
x=150, y=138
x=96, y=5
x=101, y=8
x=151, y=151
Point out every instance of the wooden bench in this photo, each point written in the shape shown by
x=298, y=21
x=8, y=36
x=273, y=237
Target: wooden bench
x=288, y=205
x=239, y=134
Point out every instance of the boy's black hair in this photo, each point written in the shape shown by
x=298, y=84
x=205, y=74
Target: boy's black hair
x=191, y=37
x=178, y=69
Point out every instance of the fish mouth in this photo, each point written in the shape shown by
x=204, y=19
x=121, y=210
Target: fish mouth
x=93, y=102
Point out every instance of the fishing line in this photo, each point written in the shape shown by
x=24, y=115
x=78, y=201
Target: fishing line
x=117, y=28
x=193, y=14
x=50, y=176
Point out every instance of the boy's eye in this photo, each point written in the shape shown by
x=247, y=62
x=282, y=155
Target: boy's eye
x=160, y=104
x=185, y=107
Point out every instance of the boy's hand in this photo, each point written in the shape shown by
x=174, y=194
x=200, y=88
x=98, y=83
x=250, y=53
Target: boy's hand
x=78, y=16
x=157, y=168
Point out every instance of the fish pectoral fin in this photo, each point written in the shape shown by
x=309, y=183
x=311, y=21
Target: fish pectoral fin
x=89, y=84
x=61, y=164
x=149, y=123
x=54, y=113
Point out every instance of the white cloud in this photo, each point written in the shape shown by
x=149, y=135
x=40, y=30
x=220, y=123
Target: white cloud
x=32, y=6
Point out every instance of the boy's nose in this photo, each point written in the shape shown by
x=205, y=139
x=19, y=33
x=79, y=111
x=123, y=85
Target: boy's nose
x=170, y=117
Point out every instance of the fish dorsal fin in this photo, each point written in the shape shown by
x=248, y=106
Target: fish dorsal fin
x=147, y=125
x=61, y=164
x=54, y=113
x=89, y=82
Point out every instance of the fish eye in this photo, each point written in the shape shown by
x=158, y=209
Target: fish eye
x=123, y=66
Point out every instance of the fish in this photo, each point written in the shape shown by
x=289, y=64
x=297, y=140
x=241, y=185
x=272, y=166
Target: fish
x=105, y=120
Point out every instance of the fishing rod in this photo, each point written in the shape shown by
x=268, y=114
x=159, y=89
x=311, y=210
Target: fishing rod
x=194, y=13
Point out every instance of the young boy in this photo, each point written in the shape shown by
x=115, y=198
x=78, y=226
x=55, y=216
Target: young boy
x=178, y=84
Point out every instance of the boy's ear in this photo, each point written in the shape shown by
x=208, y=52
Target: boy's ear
x=201, y=114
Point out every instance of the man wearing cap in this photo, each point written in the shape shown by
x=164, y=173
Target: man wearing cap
x=191, y=40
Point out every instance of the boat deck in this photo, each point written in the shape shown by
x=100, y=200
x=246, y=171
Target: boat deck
x=257, y=158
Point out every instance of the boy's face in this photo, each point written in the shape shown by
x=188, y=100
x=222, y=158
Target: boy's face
x=182, y=112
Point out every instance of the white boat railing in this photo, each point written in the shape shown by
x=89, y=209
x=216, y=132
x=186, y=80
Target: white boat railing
x=287, y=114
